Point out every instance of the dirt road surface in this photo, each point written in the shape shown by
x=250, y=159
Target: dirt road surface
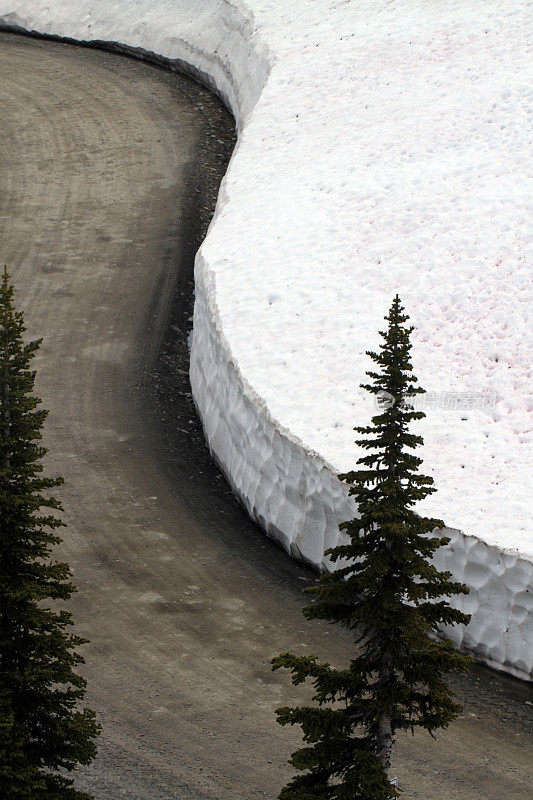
x=109, y=172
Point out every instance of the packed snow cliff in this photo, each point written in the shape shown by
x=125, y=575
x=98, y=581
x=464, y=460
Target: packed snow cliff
x=382, y=149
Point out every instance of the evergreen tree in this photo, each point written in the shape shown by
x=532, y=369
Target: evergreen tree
x=43, y=734
x=387, y=591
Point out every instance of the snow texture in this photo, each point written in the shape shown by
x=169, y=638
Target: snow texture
x=382, y=148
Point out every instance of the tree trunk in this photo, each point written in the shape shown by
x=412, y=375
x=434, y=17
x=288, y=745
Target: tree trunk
x=384, y=742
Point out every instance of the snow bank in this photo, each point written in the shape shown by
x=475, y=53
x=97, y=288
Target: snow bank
x=382, y=148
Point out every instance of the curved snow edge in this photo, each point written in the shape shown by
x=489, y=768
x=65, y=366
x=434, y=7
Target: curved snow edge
x=291, y=491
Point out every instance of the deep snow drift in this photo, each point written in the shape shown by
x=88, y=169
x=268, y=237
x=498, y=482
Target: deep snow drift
x=382, y=148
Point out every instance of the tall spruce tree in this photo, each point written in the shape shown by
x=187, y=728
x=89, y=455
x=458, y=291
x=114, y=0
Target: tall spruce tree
x=389, y=594
x=43, y=733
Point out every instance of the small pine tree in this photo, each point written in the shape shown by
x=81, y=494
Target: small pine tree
x=43, y=734
x=390, y=595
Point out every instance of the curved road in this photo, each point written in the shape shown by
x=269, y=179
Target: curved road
x=109, y=170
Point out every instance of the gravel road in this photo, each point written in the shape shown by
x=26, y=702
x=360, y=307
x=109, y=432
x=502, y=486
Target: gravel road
x=109, y=174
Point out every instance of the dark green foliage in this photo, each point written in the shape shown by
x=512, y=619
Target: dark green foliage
x=43, y=734
x=389, y=594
